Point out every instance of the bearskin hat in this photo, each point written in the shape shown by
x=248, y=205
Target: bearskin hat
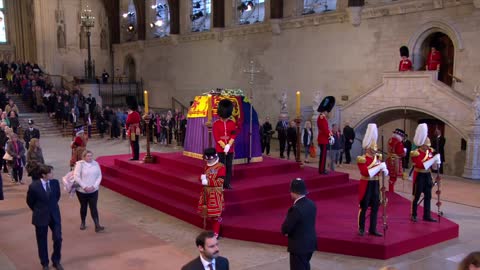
x=404, y=51
x=327, y=104
x=371, y=136
x=225, y=108
x=132, y=103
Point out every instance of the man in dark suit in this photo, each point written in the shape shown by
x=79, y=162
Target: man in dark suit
x=438, y=141
x=299, y=227
x=349, y=135
x=42, y=198
x=281, y=128
x=209, y=258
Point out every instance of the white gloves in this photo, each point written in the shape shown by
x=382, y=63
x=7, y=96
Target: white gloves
x=437, y=159
x=204, y=179
x=405, y=150
x=227, y=148
x=331, y=140
x=385, y=172
x=375, y=170
x=383, y=166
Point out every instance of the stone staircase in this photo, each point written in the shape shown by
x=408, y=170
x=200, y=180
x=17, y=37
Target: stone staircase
x=46, y=125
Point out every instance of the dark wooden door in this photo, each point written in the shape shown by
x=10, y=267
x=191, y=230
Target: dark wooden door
x=446, y=68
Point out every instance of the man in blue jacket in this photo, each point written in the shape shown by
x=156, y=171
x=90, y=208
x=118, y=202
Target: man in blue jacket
x=42, y=198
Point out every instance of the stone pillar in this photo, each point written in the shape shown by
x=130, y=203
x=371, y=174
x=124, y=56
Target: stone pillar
x=476, y=3
x=355, y=15
x=472, y=162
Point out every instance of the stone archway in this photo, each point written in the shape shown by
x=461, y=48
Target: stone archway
x=420, y=91
x=130, y=69
x=424, y=32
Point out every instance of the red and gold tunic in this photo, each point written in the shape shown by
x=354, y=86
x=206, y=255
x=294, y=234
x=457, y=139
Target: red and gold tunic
x=79, y=144
x=224, y=132
x=405, y=65
x=323, y=131
x=212, y=193
x=396, y=152
x=418, y=158
x=434, y=60
x=365, y=163
x=132, y=124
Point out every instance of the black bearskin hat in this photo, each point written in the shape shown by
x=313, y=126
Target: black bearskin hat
x=225, y=108
x=298, y=186
x=210, y=154
x=327, y=104
x=132, y=103
x=404, y=51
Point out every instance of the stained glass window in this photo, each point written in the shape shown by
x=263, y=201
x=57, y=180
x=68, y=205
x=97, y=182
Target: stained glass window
x=318, y=6
x=3, y=32
x=200, y=16
x=161, y=21
x=250, y=11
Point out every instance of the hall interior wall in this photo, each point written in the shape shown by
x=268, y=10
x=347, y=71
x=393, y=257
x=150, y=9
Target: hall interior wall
x=336, y=59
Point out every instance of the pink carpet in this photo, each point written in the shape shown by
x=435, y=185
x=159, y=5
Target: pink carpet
x=257, y=205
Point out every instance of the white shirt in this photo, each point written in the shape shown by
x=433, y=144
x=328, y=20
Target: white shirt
x=44, y=184
x=298, y=199
x=206, y=263
x=87, y=174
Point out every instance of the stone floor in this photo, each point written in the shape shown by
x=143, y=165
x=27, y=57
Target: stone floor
x=139, y=237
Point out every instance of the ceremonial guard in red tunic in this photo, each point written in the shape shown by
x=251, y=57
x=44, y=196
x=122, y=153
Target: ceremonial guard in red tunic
x=434, y=59
x=370, y=167
x=211, y=203
x=79, y=144
x=405, y=63
x=396, y=152
x=325, y=136
x=423, y=160
x=133, y=126
x=224, y=133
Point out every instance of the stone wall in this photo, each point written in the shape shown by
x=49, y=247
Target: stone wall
x=70, y=59
x=318, y=52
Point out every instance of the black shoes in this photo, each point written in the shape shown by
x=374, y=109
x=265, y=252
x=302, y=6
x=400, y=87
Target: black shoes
x=45, y=268
x=98, y=227
x=414, y=219
x=83, y=226
x=228, y=187
x=361, y=232
x=375, y=233
x=58, y=266
x=429, y=219
x=133, y=159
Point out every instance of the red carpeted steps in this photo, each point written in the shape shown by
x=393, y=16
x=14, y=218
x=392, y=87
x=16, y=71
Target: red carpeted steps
x=257, y=205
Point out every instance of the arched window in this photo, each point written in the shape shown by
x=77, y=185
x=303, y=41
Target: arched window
x=3, y=31
x=200, y=16
x=129, y=22
x=161, y=20
x=250, y=11
x=318, y=6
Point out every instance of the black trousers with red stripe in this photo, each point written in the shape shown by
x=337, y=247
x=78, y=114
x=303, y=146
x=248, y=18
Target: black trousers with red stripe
x=323, y=158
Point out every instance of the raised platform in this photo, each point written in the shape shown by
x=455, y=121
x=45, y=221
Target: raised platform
x=256, y=207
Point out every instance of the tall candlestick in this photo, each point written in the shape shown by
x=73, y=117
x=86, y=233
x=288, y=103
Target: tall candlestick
x=145, y=98
x=298, y=104
x=209, y=108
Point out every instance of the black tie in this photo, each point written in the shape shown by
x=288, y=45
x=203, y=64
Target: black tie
x=210, y=266
x=49, y=191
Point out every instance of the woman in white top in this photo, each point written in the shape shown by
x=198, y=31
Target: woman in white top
x=87, y=175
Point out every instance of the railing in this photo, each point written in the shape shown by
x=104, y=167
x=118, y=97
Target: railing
x=114, y=94
x=176, y=104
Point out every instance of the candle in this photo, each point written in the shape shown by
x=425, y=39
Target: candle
x=298, y=104
x=209, y=108
x=145, y=98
